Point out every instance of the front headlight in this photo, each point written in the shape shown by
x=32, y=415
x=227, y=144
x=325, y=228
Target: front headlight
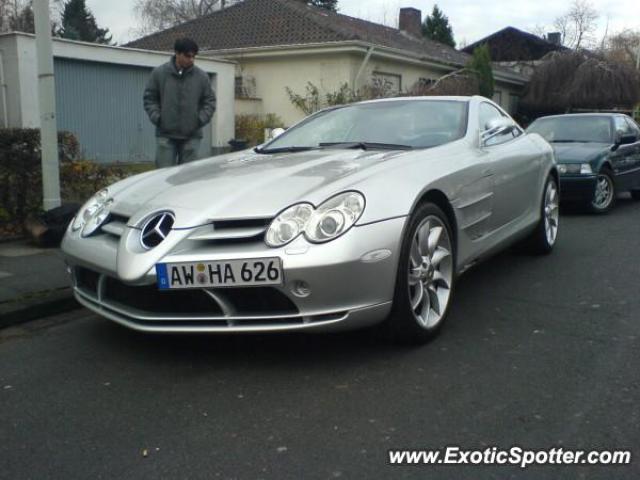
x=330, y=220
x=92, y=213
x=575, y=169
x=334, y=217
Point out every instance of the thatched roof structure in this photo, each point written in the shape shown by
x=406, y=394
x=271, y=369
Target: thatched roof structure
x=461, y=82
x=578, y=79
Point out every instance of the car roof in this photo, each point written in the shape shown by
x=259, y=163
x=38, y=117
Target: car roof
x=594, y=114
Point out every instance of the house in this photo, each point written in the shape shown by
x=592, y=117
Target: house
x=99, y=96
x=286, y=43
x=516, y=49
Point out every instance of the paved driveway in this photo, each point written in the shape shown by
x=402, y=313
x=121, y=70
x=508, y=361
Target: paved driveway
x=538, y=353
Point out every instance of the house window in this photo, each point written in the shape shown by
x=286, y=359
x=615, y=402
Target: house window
x=245, y=87
x=426, y=82
x=497, y=97
x=513, y=103
x=388, y=83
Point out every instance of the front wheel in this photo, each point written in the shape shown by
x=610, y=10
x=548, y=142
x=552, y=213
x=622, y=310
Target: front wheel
x=544, y=237
x=425, y=278
x=604, y=196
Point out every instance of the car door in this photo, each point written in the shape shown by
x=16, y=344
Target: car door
x=516, y=167
x=623, y=159
x=634, y=161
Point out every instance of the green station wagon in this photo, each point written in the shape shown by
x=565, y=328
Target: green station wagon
x=598, y=156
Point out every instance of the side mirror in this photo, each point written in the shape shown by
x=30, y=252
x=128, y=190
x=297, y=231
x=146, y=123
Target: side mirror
x=627, y=139
x=274, y=132
x=495, y=127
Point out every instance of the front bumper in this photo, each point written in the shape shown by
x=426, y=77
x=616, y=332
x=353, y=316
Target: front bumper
x=350, y=286
x=577, y=188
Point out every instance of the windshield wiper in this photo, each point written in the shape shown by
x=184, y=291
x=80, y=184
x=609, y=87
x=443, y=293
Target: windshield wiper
x=283, y=149
x=366, y=145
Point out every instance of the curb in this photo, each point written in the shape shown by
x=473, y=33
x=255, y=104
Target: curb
x=37, y=305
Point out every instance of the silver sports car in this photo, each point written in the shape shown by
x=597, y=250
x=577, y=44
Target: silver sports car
x=357, y=215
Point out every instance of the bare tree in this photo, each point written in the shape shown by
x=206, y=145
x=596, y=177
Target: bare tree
x=154, y=15
x=18, y=14
x=577, y=27
x=623, y=47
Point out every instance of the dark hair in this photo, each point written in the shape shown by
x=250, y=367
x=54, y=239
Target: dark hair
x=185, y=45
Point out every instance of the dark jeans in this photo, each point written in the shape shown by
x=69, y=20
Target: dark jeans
x=170, y=152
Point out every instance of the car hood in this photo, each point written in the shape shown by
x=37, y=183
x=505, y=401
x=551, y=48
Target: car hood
x=579, y=152
x=244, y=184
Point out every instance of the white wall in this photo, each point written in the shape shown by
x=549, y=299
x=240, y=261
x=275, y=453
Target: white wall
x=327, y=71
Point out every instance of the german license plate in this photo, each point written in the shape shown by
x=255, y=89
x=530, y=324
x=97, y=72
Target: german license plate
x=220, y=273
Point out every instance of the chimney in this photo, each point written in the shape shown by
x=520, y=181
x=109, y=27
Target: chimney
x=554, y=38
x=411, y=21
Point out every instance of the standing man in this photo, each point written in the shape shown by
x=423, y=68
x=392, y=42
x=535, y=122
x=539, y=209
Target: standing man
x=179, y=101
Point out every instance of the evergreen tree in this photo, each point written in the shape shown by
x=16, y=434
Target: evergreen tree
x=436, y=27
x=480, y=65
x=78, y=23
x=326, y=4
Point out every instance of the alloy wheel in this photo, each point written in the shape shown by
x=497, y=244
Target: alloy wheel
x=551, y=212
x=430, y=272
x=603, y=195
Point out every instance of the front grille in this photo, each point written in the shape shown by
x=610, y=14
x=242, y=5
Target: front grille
x=149, y=299
x=87, y=280
x=222, y=232
x=252, y=302
x=115, y=225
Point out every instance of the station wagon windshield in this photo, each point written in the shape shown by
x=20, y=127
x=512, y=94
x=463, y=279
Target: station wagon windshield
x=574, y=129
x=397, y=124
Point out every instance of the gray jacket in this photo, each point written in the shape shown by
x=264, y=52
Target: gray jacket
x=179, y=105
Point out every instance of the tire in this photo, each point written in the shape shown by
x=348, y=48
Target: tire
x=545, y=235
x=635, y=194
x=604, y=196
x=428, y=267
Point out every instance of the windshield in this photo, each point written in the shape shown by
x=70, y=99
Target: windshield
x=399, y=123
x=574, y=129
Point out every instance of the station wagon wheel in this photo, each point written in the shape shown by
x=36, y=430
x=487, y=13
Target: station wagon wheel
x=604, y=195
x=426, y=275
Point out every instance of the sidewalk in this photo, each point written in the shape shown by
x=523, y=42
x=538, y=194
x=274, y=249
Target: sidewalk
x=33, y=283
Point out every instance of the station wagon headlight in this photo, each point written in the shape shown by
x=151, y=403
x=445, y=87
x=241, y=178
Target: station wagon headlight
x=330, y=220
x=575, y=169
x=92, y=208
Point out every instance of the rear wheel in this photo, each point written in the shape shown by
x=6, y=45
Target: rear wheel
x=425, y=279
x=604, y=196
x=635, y=194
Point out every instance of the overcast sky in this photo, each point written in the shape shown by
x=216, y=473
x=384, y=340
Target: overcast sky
x=471, y=21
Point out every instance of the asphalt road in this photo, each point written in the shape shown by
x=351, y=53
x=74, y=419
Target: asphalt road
x=538, y=352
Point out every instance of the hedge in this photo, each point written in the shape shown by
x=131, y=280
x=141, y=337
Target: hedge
x=21, y=176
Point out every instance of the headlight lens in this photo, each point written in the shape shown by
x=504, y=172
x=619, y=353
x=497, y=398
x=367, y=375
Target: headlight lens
x=575, y=169
x=92, y=211
x=288, y=225
x=330, y=220
x=334, y=217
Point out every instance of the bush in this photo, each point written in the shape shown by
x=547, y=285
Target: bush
x=251, y=127
x=21, y=176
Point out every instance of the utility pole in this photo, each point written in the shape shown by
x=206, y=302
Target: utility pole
x=47, y=104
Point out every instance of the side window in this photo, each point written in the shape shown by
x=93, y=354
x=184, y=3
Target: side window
x=487, y=113
x=634, y=128
x=621, y=125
